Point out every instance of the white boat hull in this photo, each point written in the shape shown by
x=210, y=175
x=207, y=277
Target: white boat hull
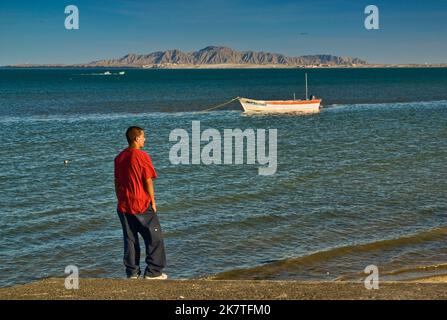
x=281, y=106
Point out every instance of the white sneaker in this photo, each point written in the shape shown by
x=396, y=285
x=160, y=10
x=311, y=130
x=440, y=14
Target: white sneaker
x=162, y=276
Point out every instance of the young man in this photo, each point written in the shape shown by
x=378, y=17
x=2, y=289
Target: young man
x=137, y=209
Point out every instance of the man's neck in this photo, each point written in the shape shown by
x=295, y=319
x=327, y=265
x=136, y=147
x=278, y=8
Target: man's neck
x=134, y=146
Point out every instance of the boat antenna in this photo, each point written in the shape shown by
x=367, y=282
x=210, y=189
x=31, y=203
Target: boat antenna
x=305, y=75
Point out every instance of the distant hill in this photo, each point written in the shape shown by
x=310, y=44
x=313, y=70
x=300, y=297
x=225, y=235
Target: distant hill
x=214, y=55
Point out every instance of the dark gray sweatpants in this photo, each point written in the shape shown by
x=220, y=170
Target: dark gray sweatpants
x=148, y=225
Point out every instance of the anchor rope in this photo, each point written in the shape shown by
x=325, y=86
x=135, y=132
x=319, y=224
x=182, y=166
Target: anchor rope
x=220, y=105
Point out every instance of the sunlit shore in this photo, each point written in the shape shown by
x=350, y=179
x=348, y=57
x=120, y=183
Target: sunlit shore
x=105, y=289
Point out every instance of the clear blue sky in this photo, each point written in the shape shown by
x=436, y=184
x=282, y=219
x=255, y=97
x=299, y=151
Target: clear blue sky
x=413, y=31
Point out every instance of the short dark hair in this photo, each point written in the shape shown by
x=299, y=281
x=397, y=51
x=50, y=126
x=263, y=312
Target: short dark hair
x=132, y=133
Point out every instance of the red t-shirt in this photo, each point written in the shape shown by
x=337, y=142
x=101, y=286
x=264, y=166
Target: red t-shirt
x=132, y=167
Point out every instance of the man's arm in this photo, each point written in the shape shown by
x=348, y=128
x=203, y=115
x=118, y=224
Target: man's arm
x=117, y=187
x=149, y=188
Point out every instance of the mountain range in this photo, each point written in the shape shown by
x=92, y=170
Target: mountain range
x=217, y=55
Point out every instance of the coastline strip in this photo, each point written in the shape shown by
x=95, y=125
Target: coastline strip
x=112, y=289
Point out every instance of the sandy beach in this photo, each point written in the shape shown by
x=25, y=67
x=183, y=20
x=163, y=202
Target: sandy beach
x=107, y=289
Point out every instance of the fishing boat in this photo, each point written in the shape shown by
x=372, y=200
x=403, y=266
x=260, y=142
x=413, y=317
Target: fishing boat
x=312, y=105
x=302, y=106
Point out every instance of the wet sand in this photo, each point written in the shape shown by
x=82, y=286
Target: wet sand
x=106, y=289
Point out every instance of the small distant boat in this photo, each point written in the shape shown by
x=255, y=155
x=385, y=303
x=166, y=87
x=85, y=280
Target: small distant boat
x=282, y=106
x=302, y=106
x=122, y=73
x=107, y=73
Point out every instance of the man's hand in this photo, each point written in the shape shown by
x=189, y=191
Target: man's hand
x=154, y=206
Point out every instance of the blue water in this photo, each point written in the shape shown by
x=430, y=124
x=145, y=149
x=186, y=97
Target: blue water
x=363, y=182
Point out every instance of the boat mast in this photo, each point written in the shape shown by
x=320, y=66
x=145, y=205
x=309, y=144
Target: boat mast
x=306, y=85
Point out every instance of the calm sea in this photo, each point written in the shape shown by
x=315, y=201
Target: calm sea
x=363, y=182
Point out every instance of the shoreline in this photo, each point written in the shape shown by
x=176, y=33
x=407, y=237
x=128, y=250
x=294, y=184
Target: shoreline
x=116, y=289
x=224, y=66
